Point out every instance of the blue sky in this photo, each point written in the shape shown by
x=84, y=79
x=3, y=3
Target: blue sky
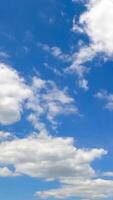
x=56, y=100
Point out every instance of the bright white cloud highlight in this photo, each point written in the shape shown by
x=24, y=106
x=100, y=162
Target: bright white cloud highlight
x=97, y=23
x=13, y=93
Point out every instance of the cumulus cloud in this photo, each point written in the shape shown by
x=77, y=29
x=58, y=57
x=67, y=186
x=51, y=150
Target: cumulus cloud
x=83, y=189
x=55, y=158
x=96, y=23
x=48, y=157
x=43, y=99
x=13, y=93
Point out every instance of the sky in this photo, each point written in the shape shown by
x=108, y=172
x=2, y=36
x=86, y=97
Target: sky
x=56, y=100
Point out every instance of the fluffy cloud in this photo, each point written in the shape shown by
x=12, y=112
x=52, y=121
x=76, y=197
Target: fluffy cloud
x=13, y=93
x=42, y=98
x=96, y=23
x=83, y=189
x=48, y=157
x=55, y=158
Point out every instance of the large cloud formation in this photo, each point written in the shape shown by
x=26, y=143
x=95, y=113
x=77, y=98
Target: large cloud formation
x=55, y=158
x=43, y=98
x=50, y=158
x=97, y=24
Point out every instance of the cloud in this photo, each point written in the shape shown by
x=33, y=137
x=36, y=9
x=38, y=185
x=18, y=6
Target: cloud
x=96, y=24
x=44, y=100
x=55, y=158
x=83, y=83
x=107, y=98
x=83, y=189
x=78, y=65
x=48, y=102
x=48, y=157
x=13, y=93
x=5, y=172
x=4, y=55
x=4, y=134
x=55, y=52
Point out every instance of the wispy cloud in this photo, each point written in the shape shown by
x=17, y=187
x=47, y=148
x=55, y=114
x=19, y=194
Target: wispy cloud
x=55, y=52
x=107, y=98
x=48, y=102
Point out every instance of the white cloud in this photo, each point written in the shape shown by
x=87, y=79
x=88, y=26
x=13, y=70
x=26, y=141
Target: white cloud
x=97, y=23
x=48, y=102
x=83, y=189
x=107, y=98
x=83, y=83
x=108, y=174
x=78, y=65
x=5, y=172
x=13, y=92
x=4, y=134
x=76, y=27
x=55, y=158
x=55, y=52
x=48, y=157
x=4, y=55
x=45, y=101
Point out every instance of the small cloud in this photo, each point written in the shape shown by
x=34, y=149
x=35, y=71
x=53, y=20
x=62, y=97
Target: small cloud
x=55, y=52
x=107, y=98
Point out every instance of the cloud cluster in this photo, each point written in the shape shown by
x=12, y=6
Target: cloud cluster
x=48, y=157
x=55, y=158
x=48, y=102
x=42, y=98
